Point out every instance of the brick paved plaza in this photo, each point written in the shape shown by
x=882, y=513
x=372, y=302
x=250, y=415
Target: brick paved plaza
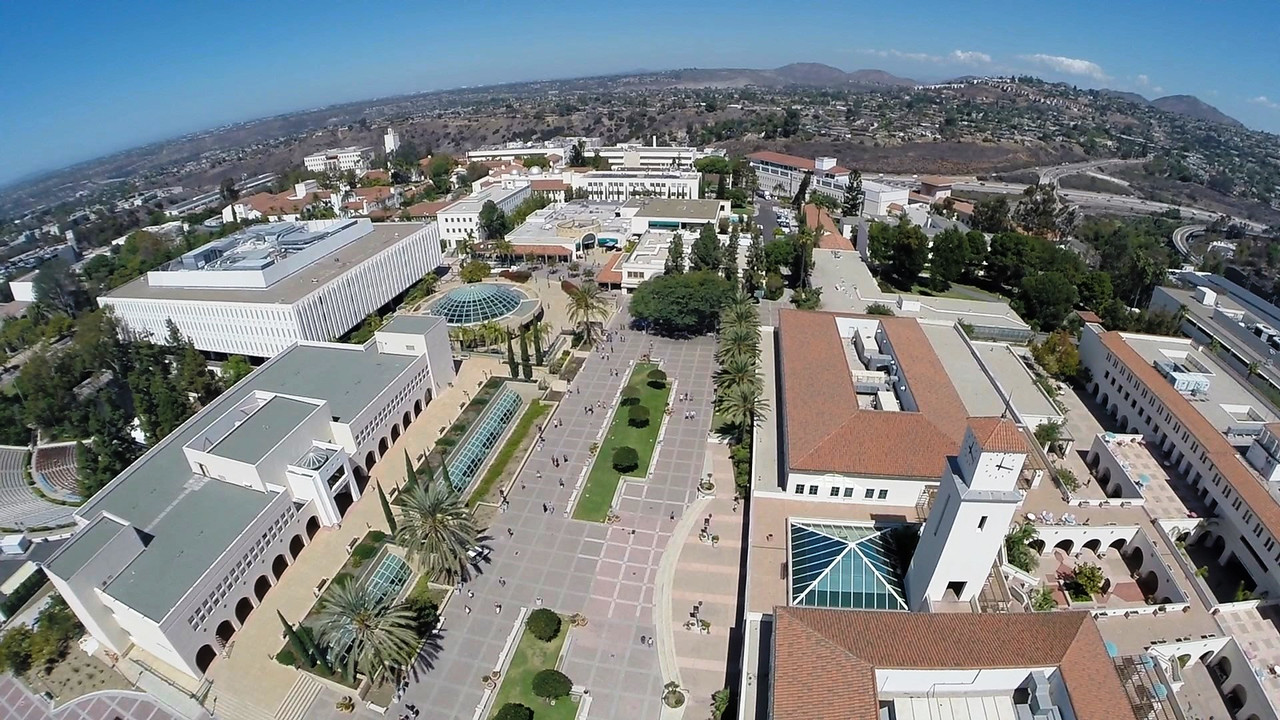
x=606, y=572
x=18, y=703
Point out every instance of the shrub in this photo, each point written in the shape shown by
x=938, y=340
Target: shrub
x=773, y=286
x=638, y=416
x=551, y=684
x=514, y=711
x=879, y=309
x=376, y=536
x=626, y=459
x=362, y=552
x=543, y=624
x=520, y=276
x=474, y=271
x=630, y=395
x=657, y=375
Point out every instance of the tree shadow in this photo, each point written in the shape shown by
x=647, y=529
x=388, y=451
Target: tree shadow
x=428, y=654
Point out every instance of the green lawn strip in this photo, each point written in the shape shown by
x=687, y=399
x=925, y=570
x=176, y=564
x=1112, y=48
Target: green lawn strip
x=422, y=589
x=531, y=656
x=507, y=451
x=602, y=481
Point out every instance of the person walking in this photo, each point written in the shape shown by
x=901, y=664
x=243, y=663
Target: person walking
x=467, y=609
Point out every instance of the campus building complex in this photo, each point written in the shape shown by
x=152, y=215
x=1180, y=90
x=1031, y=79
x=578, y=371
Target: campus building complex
x=260, y=290
x=173, y=556
x=461, y=219
x=782, y=174
x=337, y=160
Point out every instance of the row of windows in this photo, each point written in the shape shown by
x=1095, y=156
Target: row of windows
x=848, y=492
x=383, y=415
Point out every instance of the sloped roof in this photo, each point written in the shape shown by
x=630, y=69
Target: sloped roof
x=611, y=275
x=999, y=435
x=827, y=233
x=838, y=651
x=796, y=162
x=825, y=429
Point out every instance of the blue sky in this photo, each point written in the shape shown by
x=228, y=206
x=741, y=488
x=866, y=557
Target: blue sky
x=82, y=79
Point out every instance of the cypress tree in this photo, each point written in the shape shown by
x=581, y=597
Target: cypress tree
x=444, y=471
x=296, y=642
x=410, y=475
x=511, y=356
x=427, y=472
x=524, y=354
x=386, y=509
x=537, y=345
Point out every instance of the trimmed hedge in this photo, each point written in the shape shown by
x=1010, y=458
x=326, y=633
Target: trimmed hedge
x=657, y=379
x=626, y=459
x=543, y=624
x=551, y=684
x=630, y=395
x=514, y=711
x=638, y=416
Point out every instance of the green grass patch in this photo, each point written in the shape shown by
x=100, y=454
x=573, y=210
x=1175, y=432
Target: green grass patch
x=532, y=655
x=602, y=481
x=423, y=589
x=508, y=450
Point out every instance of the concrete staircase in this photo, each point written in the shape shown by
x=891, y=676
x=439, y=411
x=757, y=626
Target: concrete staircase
x=304, y=692
x=228, y=707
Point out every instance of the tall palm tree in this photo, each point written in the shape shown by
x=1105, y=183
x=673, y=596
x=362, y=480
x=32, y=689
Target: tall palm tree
x=437, y=530
x=587, y=306
x=383, y=635
x=739, y=313
x=467, y=245
x=490, y=333
x=503, y=247
x=738, y=342
x=741, y=406
x=737, y=372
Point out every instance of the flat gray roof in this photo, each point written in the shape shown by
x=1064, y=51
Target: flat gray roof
x=1224, y=389
x=664, y=208
x=979, y=396
x=87, y=542
x=473, y=203
x=1012, y=374
x=159, y=487
x=253, y=438
x=290, y=289
x=411, y=324
x=188, y=539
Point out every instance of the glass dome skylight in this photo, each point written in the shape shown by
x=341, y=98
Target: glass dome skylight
x=478, y=303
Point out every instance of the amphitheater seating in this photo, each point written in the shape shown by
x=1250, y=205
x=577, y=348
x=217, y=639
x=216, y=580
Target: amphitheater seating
x=57, y=464
x=20, y=507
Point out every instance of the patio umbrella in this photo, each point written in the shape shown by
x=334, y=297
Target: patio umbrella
x=1112, y=650
x=1162, y=692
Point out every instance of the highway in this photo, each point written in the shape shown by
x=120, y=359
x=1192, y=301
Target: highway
x=1182, y=234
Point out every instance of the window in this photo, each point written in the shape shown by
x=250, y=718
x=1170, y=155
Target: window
x=835, y=492
x=848, y=492
x=870, y=494
x=813, y=489
x=883, y=495
x=982, y=522
x=799, y=489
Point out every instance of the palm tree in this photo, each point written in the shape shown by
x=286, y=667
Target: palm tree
x=741, y=407
x=587, y=306
x=737, y=372
x=490, y=333
x=740, y=312
x=467, y=245
x=503, y=247
x=738, y=342
x=383, y=635
x=543, y=331
x=437, y=530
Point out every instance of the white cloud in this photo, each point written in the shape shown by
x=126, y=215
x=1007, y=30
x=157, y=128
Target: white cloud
x=1265, y=102
x=1068, y=66
x=963, y=57
x=970, y=57
x=1144, y=83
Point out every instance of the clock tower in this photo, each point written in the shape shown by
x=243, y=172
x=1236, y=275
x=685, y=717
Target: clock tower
x=976, y=501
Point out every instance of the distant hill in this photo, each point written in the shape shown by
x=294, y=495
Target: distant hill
x=1130, y=96
x=812, y=74
x=1192, y=106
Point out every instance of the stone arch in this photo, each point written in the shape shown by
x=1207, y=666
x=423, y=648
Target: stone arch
x=1065, y=546
x=1104, y=399
x=1118, y=544
x=382, y=446
x=417, y=408
x=395, y=432
x=1093, y=460
x=1206, y=657
x=370, y=459
x=313, y=526
x=1222, y=668
x=261, y=587
x=362, y=477
x=405, y=420
x=426, y=397
x=225, y=632
x=296, y=545
x=1236, y=698
x=1037, y=545
x=279, y=565
x=204, y=658
x=1113, y=410
x=243, y=608
x=1219, y=544
x=1148, y=583
x=1094, y=546
x=1133, y=558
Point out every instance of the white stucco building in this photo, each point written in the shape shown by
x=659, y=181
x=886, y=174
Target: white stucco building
x=334, y=160
x=259, y=291
x=462, y=217
x=622, y=185
x=781, y=174
x=177, y=551
x=390, y=141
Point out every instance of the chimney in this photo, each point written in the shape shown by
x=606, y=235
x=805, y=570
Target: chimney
x=824, y=163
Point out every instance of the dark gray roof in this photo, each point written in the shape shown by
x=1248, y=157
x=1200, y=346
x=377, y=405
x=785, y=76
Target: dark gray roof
x=81, y=548
x=252, y=439
x=411, y=324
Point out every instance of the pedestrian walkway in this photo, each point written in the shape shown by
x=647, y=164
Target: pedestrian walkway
x=606, y=572
x=19, y=703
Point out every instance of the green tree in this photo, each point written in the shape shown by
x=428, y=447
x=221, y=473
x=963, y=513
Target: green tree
x=550, y=684
x=729, y=255
x=1095, y=289
x=797, y=201
x=910, y=253
x=511, y=357
x=112, y=450
x=1040, y=212
x=474, y=271
x=854, y=196
x=1042, y=599
x=991, y=215
x=514, y=711
x=588, y=309
x=57, y=287
x=1009, y=258
x=1089, y=577
x=536, y=331
x=193, y=373
x=493, y=221
x=296, y=643
x=675, y=256
x=525, y=366
x=681, y=305
x=15, y=653
x=382, y=635
x=948, y=259
x=577, y=157
x=753, y=276
x=235, y=369
x=976, y=255
x=386, y=506
x=1058, y=355
x=1017, y=547
x=625, y=459
x=705, y=253
x=543, y=624
x=1047, y=298
x=437, y=530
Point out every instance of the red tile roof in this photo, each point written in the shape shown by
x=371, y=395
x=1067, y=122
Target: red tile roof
x=428, y=209
x=999, y=435
x=795, y=162
x=828, y=234
x=611, y=275
x=545, y=185
x=541, y=250
x=1226, y=460
x=825, y=429
x=938, y=181
x=825, y=660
